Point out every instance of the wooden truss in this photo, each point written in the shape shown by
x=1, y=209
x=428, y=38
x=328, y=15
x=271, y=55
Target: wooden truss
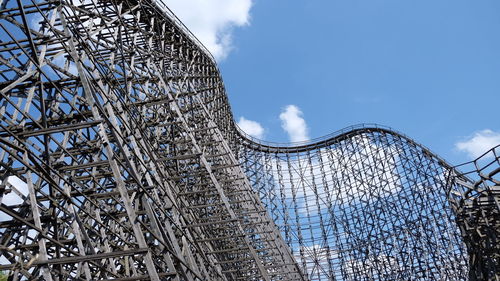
x=120, y=160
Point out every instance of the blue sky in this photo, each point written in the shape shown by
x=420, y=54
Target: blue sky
x=430, y=69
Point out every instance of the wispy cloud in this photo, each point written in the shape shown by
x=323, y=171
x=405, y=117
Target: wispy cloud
x=479, y=143
x=293, y=123
x=251, y=127
x=212, y=22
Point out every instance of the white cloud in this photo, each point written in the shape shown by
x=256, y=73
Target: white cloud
x=17, y=191
x=374, y=167
x=479, y=143
x=212, y=22
x=331, y=179
x=386, y=266
x=251, y=127
x=293, y=123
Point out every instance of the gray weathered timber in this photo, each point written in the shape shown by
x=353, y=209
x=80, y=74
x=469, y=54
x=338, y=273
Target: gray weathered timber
x=120, y=160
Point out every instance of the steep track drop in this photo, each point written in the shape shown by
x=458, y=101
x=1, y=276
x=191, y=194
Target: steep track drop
x=120, y=160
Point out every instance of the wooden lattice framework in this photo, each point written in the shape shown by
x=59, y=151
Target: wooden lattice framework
x=120, y=160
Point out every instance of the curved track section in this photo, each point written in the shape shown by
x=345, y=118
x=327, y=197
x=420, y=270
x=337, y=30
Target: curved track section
x=364, y=204
x=477, y=205
x=120, y=160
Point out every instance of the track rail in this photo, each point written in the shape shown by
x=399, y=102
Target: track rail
x=120, y=160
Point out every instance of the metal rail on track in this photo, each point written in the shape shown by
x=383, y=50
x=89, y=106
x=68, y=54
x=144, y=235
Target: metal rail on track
x=120, y=160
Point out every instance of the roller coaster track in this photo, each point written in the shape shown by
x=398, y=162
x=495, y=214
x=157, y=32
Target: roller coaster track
x=120, y=160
